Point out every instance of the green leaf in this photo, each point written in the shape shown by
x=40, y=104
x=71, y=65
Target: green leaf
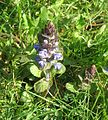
x=25, y=20
x=44, y=14
x=105, y=54
x=24, y=59
x=68, y=61
x=58, y=3
x=105, y=71
x=35, y=22
x=70, y=87
x=35, y=71
x=89, y=43
x=80, y=22
x=26, y=97
x=41, y=86
x=102, y=29
x=48, y=66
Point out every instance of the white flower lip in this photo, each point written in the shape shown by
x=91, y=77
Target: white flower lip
x=57, y=66
x=56, y=43
x=42, y=64
x=58, y=56
x=43, y=53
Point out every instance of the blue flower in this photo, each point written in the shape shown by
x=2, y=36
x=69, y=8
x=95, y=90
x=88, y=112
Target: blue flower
x=44, y=53
x=37, y=47
x=37, y=58
x=57, y=66
x=58, y=56
x=42, y=64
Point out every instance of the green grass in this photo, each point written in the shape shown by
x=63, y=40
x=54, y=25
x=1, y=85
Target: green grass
x=83, y=33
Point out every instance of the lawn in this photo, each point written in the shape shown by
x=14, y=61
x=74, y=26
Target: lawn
x=70, y=82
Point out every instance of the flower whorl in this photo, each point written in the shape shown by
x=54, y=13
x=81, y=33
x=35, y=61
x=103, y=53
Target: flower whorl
x=48, y=47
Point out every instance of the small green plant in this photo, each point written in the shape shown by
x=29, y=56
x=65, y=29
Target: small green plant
x=49, y=55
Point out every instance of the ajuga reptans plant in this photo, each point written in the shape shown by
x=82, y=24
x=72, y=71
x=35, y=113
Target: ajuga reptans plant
x=49, y=55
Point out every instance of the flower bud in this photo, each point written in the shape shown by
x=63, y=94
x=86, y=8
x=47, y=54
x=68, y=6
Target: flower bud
x=45, y=41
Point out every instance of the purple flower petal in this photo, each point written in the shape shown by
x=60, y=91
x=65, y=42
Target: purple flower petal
x=57, y=66
x=42, y=64
x=37, y=47
x=37, y=58
x=58, y=56
x=43, y=53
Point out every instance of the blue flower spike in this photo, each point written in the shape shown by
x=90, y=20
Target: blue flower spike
x=49, y=53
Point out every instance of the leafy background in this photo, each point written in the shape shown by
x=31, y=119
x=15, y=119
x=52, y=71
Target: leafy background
x=83, y=34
